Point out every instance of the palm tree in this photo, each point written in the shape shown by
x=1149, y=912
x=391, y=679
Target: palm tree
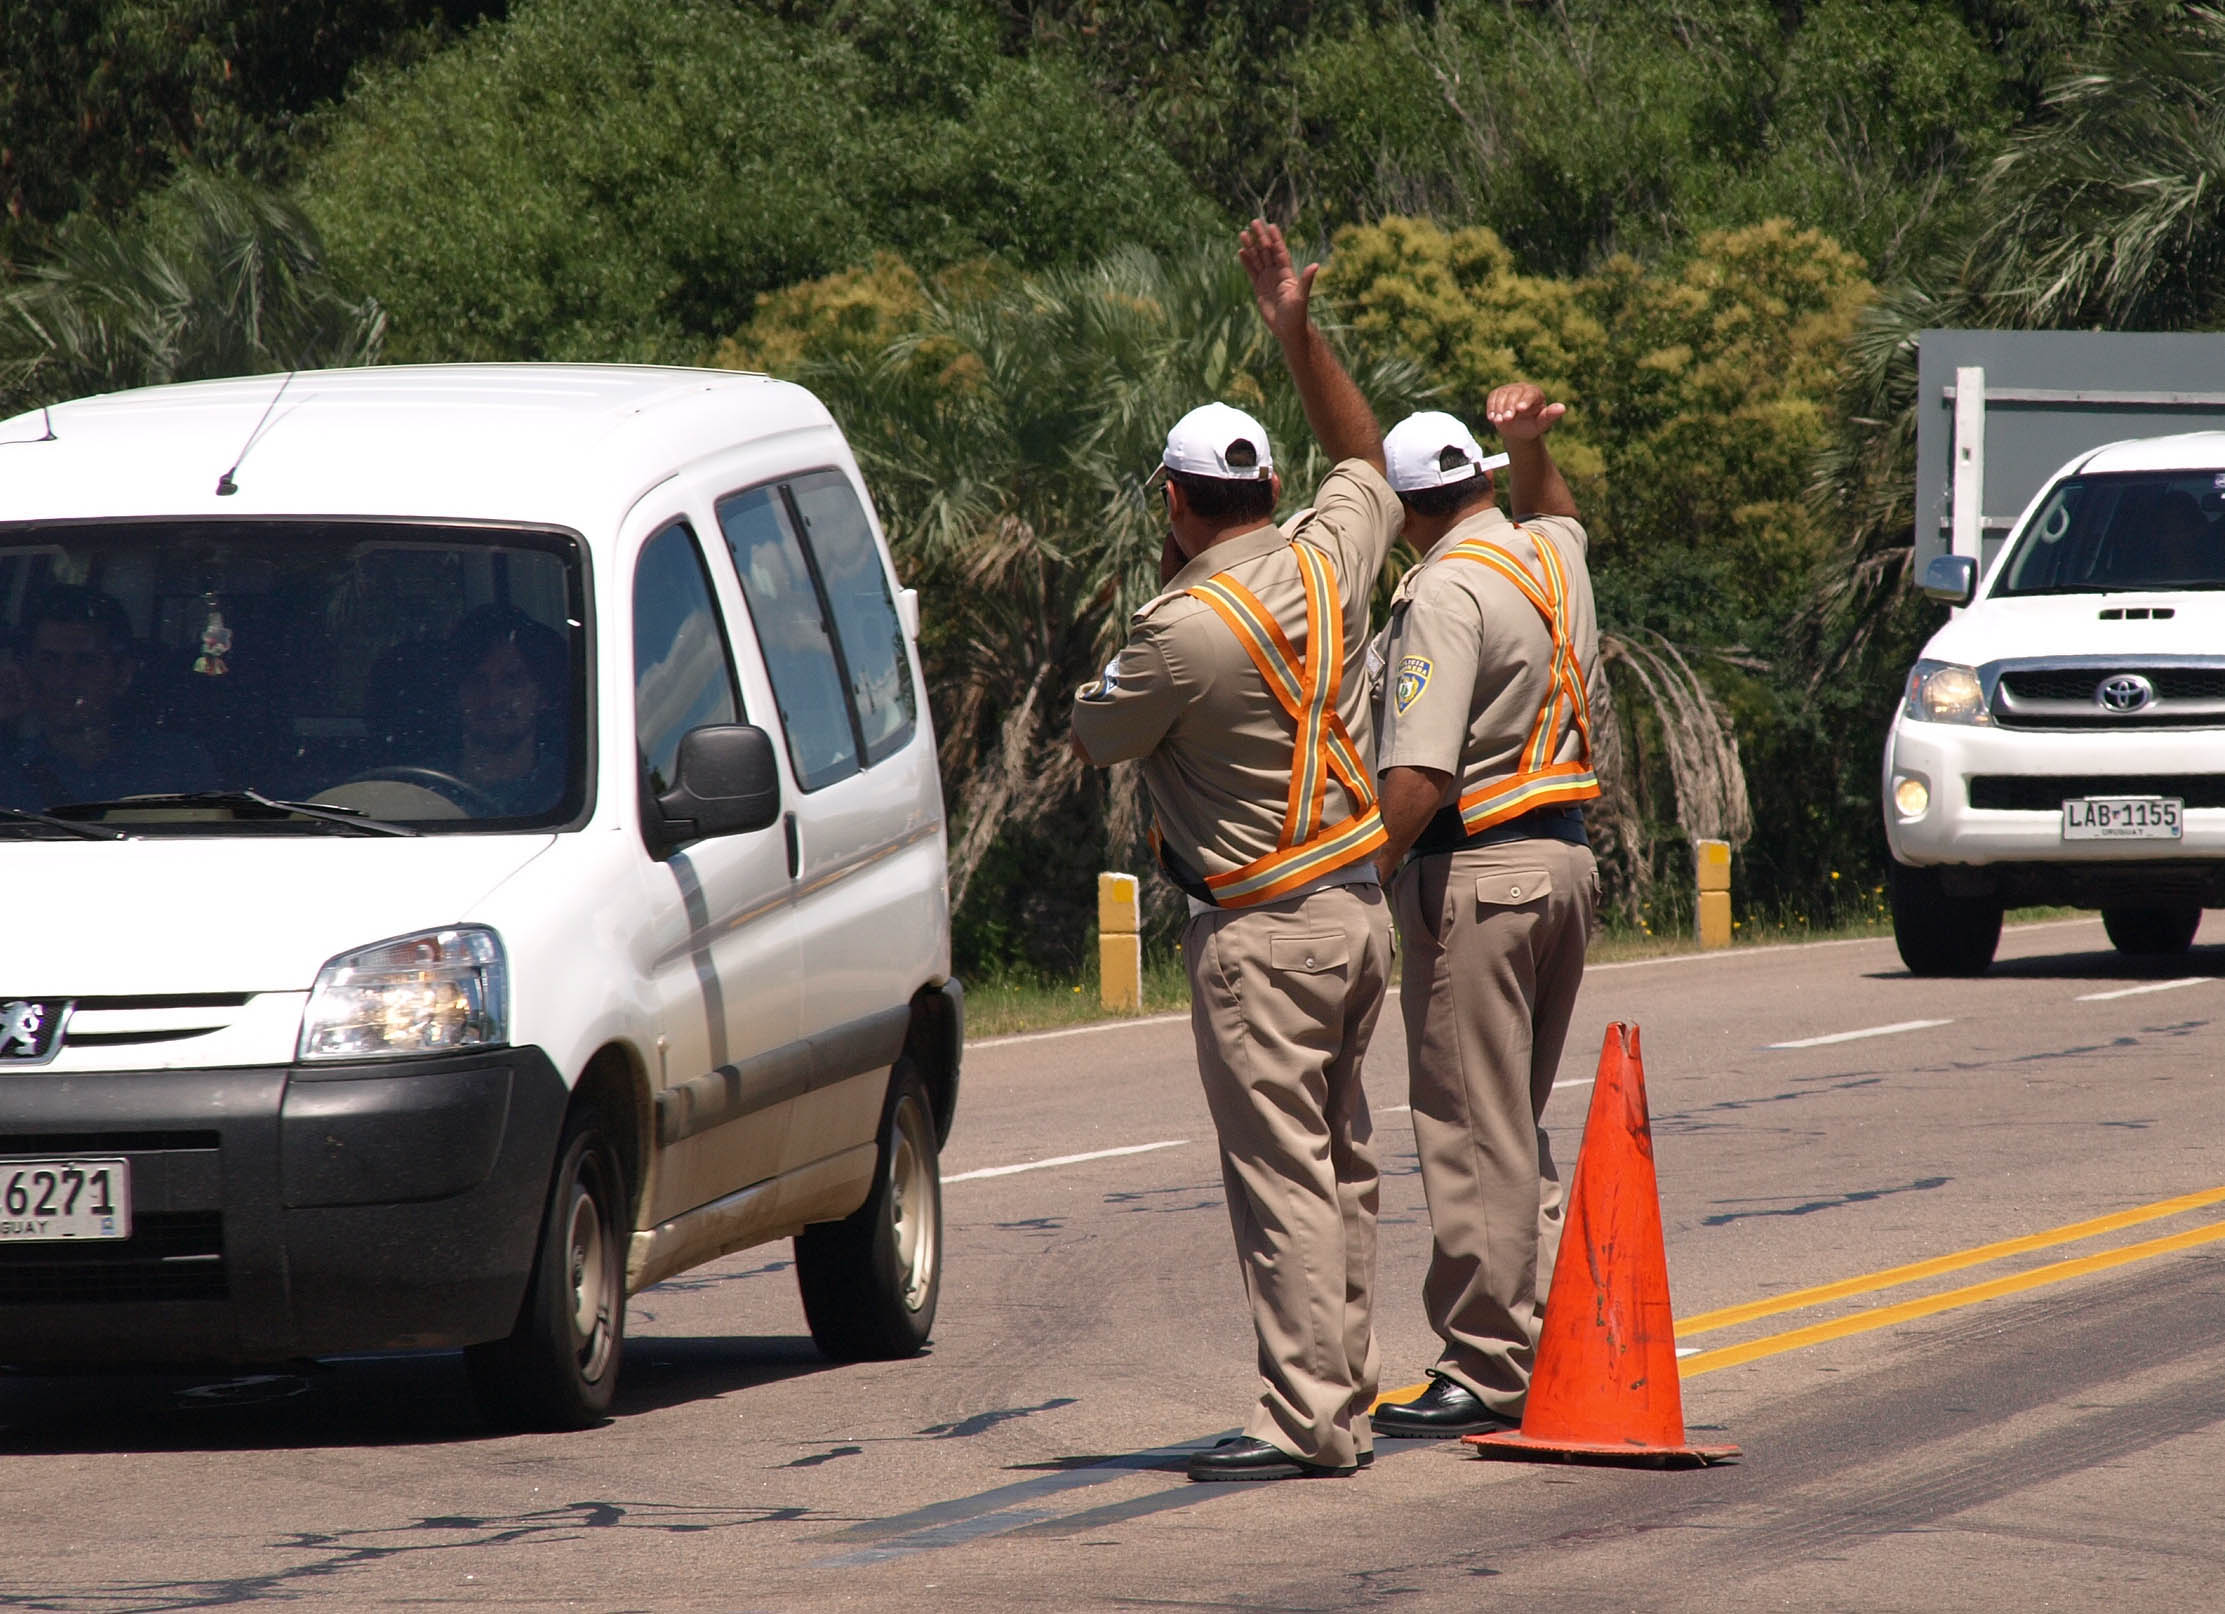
x=219, y=278
x=1008, y=437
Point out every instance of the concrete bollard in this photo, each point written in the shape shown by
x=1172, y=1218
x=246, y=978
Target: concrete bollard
x=1714, y=861
x=1120, y=942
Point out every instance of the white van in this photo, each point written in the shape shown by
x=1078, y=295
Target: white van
x=2062, y=740
x=473, y=849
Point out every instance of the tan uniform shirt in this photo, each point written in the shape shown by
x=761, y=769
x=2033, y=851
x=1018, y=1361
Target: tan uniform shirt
x=1467, y=660
x=1183, y=696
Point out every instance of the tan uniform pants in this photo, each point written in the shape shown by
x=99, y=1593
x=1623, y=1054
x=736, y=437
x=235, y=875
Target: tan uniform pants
x=1493, y=950
x=1283, y=999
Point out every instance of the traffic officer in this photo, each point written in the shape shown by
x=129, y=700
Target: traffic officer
x=1242, y=691
x=1485, y=762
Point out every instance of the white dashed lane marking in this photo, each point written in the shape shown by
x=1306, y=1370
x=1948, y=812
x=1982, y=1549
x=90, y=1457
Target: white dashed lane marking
x=2140, y=991
x=1892, y=1030
x=1063, y=1160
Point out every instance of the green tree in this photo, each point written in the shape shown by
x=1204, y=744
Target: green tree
x=608, y=179
x=1008, y=435
x=102, y=100
x=221, y=279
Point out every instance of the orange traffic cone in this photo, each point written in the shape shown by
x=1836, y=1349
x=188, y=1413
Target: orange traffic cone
x=1606, y=1388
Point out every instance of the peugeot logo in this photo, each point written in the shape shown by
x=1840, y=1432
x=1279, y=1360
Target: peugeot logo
x=2126, y=692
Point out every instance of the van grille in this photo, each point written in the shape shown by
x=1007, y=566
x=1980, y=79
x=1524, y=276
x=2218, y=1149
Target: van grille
x=2046, y=792
x=177, y=1255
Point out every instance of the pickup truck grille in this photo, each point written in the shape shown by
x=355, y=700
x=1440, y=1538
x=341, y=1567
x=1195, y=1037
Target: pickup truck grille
x=2046, y=792
x=2067, y=698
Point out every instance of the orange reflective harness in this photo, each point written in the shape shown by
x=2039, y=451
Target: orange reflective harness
x=1538, y=781
x=1306, y=688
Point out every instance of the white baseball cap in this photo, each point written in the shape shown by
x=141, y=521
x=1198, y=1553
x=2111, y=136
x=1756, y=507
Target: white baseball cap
x=1434, y=450
x=1203, y=439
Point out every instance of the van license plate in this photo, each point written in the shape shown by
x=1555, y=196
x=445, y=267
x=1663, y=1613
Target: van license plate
x=2123, y=818
x=45, y=1201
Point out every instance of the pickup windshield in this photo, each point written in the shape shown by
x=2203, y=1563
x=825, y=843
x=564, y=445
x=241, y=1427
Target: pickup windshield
x=2129, y=532
x=419, y=675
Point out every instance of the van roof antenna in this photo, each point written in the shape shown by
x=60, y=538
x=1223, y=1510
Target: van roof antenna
x=225, y=486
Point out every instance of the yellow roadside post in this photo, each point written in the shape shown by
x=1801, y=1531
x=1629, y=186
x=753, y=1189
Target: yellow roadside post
x=1120, y=942
x=1714, y=860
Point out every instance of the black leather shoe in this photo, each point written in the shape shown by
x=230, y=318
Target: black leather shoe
x=1443, y=1410
x=1242, y=1458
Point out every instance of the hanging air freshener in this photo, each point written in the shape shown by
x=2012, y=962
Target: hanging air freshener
x=216, y=643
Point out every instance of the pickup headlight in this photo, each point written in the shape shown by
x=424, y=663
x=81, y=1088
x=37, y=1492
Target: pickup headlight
x=431, y=993
x=1943, y=692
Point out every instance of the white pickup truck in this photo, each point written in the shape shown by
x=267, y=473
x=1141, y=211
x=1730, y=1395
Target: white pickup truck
x=2062, y=739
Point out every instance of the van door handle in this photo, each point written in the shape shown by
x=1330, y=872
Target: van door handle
x=795, y=844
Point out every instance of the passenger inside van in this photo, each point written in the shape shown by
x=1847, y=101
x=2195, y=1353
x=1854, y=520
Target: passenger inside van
x=512, y=687
x=83, y=741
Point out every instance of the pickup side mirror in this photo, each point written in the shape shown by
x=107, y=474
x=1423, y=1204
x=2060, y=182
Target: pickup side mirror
x=1952, y=578
x=727, y=784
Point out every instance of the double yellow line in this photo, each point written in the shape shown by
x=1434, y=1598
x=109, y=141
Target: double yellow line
x=1950, y=1299
x=1931, y=1305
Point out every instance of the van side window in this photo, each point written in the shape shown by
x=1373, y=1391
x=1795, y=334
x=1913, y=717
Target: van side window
x=864, y=614
x=682, y=677
x=801, y=653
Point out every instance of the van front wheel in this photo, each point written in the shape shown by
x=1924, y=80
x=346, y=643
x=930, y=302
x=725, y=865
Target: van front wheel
x=559, y=1367
x=870, y=1282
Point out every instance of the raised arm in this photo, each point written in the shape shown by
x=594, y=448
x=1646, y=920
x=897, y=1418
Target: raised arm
x=1520, y=415
x=1339, y=415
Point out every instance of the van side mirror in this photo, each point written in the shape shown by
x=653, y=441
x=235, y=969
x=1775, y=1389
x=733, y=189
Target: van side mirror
x=1952, y=578
x=728, y=784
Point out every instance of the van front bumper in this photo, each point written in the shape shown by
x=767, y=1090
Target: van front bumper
x=285, y=1212
x=2018, y=852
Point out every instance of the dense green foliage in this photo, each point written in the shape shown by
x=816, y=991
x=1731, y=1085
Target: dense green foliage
x=102, y=99
x=994, y=235
x=609, y=179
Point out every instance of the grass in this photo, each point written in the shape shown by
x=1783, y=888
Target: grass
x=1007, y=1002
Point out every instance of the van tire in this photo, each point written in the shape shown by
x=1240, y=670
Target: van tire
x=870, y=1281
x=559, y=1367
x=2152, y=932
x=1938, y=934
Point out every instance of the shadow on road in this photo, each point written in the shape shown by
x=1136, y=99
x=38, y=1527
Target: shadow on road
x=421, y=1399
x=2098, y=964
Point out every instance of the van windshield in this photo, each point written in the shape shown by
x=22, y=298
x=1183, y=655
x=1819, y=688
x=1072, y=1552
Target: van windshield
x=2137, y=531
x=422, y=675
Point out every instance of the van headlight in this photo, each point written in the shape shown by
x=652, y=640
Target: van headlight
x=1944, y=692
x=431, y=993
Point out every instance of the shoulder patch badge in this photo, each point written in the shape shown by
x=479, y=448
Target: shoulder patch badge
x=1413, y=678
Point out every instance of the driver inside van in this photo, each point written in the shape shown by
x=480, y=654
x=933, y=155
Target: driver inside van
x=512, y=689
x=81, y=741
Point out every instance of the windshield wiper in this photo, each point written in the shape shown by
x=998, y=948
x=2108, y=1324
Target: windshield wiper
x=90, y=832
x=347, y=818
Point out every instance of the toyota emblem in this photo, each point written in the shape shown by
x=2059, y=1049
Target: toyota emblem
x=2126, y=692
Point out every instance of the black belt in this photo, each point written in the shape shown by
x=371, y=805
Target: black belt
x=1445, y=832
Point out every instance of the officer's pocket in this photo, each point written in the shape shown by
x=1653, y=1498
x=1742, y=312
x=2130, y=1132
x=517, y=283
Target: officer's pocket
x=1513, y=888
x=1308, y=955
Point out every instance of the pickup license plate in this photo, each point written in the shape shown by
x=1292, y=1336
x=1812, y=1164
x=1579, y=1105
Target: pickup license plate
x=2123, y=818
x=44, y=1201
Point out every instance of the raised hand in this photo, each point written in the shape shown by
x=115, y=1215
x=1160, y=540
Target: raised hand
x=1283, y=292
x=1519, y=413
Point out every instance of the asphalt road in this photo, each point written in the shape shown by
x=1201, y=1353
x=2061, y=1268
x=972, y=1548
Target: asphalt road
x=2038, y=1427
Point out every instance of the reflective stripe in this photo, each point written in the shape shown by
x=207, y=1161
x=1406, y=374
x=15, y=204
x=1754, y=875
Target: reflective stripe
x=1306, y=687
x=1538, y=781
